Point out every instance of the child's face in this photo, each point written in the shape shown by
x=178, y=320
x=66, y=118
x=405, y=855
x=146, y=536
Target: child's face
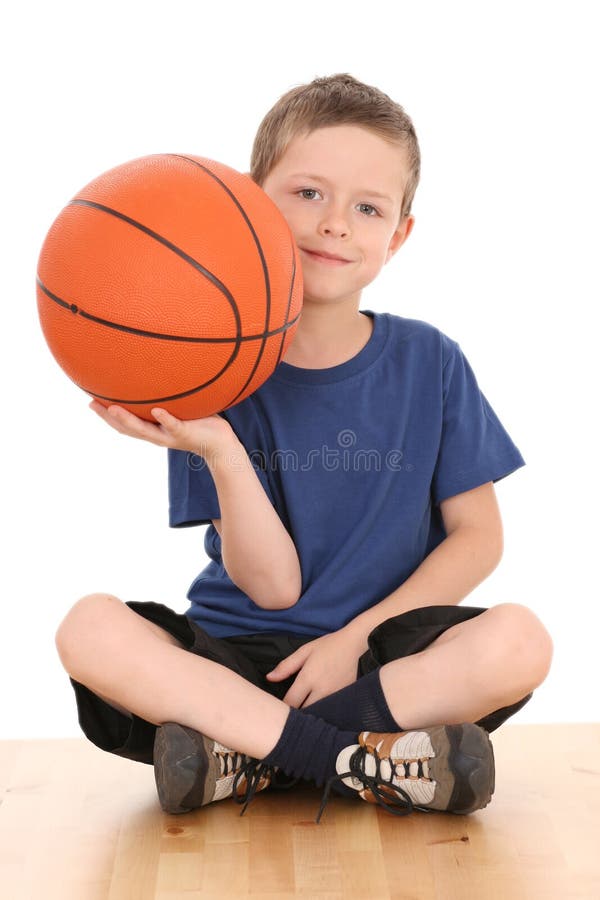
x=325, y=186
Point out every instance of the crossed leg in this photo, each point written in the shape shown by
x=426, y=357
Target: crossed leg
x=162, y=635
x=471, y=670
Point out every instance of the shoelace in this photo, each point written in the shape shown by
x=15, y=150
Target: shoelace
x=402, y=806
x=229, y=761
x=253, y=770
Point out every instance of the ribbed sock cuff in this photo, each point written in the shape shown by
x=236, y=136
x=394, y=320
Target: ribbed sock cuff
x=308, y=747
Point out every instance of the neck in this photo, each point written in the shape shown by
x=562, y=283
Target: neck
x=328, y=334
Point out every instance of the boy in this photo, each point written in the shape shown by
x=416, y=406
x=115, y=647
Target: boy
x=329, y=606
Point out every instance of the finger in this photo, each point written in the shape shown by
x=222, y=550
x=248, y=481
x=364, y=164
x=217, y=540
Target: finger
x=290, y=664
x=109, y=414
x=103, y=410
x=312, y=698
x=99, y=409
x=296, y=695
x=165, y=418
x=170, y=425
x=128, y=423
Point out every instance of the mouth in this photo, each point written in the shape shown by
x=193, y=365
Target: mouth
x=325, y=258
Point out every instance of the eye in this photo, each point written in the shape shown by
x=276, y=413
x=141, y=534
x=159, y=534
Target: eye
x=374, y=212
x=368, y=205
x=308, y=191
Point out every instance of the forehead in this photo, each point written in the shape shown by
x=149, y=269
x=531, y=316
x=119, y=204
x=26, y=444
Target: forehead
x=346, y=154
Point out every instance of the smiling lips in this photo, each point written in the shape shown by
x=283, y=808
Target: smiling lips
x=324, y=257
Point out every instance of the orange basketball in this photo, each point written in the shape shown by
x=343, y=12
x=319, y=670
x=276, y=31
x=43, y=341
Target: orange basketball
x=172, y=280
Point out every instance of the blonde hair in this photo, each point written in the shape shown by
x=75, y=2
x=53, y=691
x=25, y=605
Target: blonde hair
x=335, y=100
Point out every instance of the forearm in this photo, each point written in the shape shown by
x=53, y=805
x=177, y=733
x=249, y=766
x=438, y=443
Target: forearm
x=258, y=553
x=450, y=572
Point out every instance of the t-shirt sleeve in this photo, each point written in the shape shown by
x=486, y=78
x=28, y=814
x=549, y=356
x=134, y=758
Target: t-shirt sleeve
x=193, y=498
x=192, y=493
x=475, y=447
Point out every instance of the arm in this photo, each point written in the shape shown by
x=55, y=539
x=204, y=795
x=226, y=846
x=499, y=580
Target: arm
x=258, y=553
x=470, y=552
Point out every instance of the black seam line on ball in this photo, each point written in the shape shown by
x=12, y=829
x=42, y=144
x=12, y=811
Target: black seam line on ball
x=289, y=303
x=166, y=243
x=146, y=400
x=248, y=223
x=263, y=261
x=155, y=400
x=154, y=334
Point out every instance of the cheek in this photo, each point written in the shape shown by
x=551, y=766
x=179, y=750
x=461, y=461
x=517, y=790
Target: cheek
x=383, y=246
x=376, y=249
x=292, y=216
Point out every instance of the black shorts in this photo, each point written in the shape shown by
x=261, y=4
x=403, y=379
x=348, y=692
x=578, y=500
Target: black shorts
x=252, y=656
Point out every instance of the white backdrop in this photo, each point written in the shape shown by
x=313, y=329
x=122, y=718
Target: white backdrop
x=502, y=258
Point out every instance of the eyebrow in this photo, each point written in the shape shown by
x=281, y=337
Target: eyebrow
x=324, y=181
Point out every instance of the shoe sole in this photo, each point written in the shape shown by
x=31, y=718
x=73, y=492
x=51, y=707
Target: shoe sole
x=185, y=769
x=471, y=759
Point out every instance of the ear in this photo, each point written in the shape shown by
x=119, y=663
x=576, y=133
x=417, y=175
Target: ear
x=399, y=236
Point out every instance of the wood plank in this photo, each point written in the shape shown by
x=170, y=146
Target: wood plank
x=80, y=824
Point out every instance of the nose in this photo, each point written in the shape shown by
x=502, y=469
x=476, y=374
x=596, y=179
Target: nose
x=333, y=223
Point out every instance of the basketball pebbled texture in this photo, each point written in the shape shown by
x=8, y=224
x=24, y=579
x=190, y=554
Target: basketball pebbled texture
x=170, y=280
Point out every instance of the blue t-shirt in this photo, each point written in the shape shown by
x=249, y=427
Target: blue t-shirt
x=355, y=459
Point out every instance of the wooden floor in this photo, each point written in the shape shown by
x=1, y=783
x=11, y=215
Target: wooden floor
x=80, y=824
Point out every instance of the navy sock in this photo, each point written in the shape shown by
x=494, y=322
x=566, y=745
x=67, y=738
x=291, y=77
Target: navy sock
x=308, y=748
x=360, y=706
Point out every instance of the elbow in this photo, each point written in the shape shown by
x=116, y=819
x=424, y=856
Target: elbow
x=495, y=550
x=266, y=597
x=289, y=601
x=292, y=595
x=289, y=597
x=486, y=548
x=488, y=545
x=278, y=602
x=497, y=545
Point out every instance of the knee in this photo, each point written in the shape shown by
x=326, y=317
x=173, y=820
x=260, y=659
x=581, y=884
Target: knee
x=527, y=640
x=83, y=620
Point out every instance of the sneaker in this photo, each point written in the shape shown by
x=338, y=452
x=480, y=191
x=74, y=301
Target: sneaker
x=447, y=767
x=192, y=770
